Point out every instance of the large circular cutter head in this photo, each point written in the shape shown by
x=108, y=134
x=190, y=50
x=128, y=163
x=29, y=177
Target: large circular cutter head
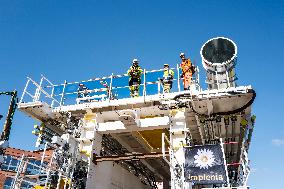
x=218, y=54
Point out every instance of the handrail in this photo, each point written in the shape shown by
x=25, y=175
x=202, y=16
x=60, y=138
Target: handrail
x=105, y=89
x=25, y=89
x=64, y=89
x=144, y=83
x=41, y=89
x=37, y=93
x=107, y=77
x=62, y=97
x=46, y=79
x=30, y=94
x=110, y=87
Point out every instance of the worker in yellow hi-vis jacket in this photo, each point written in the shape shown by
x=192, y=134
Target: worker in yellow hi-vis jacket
x=134, y=73
x=168, y=77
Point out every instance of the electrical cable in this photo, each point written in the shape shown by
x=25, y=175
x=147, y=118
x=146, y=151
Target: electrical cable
x=220, y=113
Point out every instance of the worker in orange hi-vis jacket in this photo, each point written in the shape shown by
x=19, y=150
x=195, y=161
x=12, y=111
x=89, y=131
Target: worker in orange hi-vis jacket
x=187, y=71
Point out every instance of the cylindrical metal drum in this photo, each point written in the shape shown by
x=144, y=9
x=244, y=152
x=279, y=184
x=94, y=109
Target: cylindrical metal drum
x=219, y=57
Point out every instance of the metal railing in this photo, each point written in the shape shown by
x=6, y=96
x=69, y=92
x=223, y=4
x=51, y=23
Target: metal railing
x=31, y=85
x=117, y=88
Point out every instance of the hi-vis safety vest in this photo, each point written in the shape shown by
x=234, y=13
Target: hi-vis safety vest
x=186, y=66
x=135, y=72
x=168, y=74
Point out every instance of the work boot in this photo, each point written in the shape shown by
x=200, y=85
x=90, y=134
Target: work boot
x=166, y=88
x=136, y=94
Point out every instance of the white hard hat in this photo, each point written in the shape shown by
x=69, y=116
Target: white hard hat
x=182, y=54
x=135, y=60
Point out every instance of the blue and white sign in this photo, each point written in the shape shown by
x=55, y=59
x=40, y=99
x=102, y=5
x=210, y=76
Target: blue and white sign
x=205, y=165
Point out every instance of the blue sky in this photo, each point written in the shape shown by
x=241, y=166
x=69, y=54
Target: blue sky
x=78, y=40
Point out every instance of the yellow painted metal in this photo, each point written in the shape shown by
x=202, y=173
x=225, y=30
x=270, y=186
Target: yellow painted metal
x=153, y=137
x=173, y=112
x=89, y=117
x=87, y=153
x=61, y=185
x=38, y=187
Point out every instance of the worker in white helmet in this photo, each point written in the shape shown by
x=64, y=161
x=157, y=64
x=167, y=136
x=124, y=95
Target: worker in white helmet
x=134, y=73
x=82, y=92
x=168, y=77
x=187, y=71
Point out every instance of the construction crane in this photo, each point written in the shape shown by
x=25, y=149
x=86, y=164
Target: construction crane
x=8, y=122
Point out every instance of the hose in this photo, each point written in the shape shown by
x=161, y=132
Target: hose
x=222, y=113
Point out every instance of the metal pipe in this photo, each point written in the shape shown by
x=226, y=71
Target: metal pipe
x=163, y=145
x=19, y=169
x=103, y=89
x=62, y=96
x=38, y=91
x=197, y=78
x=101, y=78
x=52, y=96
x=43, y=91
x=48, y=172
x=29, y=94
x=217, y=80
x=164, y=137
x=225, y=162
x=178, y=78
x=43, y=155
x=9, y=164
x=84, y=81
x=110, y=87
x=228, y=79
x=159, y=87
x=47, y=79
x=25, y=89
x=144, y=84
x=134, y=156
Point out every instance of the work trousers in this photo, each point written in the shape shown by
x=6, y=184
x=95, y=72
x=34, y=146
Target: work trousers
x=134, y=85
